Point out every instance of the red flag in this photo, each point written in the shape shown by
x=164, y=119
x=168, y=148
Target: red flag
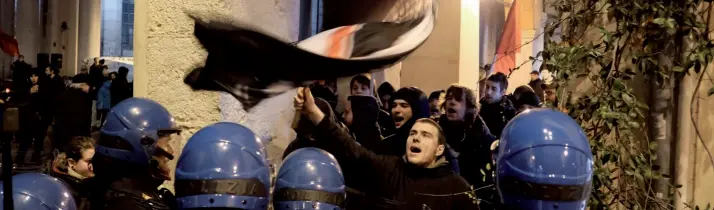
x=8, y=44
x=505, y=59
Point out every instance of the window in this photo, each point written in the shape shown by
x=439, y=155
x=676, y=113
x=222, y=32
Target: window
x=117, y=28
x=310, y=18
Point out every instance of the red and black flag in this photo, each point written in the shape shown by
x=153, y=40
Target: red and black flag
x=253, y=65
x=8, y=44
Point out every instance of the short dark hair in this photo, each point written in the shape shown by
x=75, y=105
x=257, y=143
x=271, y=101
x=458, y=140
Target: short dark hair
x=435, y=95
x=441, y=135
x=499, y=78
x=361, y=79
x=101, y=61
x=522, y=89
x=77, y=145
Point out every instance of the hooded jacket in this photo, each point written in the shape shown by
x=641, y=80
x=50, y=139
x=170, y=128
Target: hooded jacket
x=497, y=115
x=365, y=114
x=472, y=141
x=386, y=123
x=394, y=183
x=396, y=144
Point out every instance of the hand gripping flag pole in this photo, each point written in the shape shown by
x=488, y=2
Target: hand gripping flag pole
x=252, y=65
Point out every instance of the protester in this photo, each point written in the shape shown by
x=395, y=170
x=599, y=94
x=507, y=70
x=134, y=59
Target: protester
x=407, y=105
x=436, y=98
x=120, y=89
x=528, y=100
x=74, y=167
x=361, y=116
x=386, y=123
x=470, y=140
x=496, y=109
x=360, y=85
x=537, y=84
x=74, y=115
x=385, y=92
x=422, y=179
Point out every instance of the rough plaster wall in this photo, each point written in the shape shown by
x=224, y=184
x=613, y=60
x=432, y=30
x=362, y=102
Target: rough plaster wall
x=703, y=169
x=171, y=52
x=435, y=65
x=272, y=118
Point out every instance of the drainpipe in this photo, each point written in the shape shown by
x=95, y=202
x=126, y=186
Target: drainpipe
x=685, y=146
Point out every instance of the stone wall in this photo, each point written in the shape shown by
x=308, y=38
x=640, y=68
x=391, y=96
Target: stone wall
x=165, y=50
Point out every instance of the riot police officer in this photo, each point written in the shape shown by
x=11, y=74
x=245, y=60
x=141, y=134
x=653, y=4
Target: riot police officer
x=309, y=178
x=132, y=156
x=36, y=191
x=223, y=166
x=544, y=162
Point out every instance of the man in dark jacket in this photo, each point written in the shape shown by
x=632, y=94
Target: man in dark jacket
x=96, y=74
x=30, y=121
x=407, y=105
x=20, y=72
x=537, y=84
x=360, y=85
x=496, y=108
x=470, y=140
x=120, y=89
x=386, y=124
x=420, y=180
x=74, y=115
x=360, y=116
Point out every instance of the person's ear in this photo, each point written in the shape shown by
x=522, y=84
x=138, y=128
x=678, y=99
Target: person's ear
x=440, y=150
x=71, y=162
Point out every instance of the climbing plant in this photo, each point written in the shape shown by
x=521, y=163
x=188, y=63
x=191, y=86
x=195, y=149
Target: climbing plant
x=615, y=45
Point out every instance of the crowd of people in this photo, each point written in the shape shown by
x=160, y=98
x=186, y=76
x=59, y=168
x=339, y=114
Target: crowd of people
x=388, y=149
x=45, y=99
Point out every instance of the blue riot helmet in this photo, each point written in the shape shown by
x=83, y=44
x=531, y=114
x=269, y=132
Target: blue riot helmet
x=36, y=191
x=544, y=162
x=223, y=165
x=132, y=130
x=309, y=178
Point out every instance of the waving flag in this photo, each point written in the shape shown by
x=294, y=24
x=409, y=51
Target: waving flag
x=509, y=44
x=8, y=44
x=252, y=65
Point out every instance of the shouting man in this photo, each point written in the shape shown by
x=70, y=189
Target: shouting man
x=422, y=179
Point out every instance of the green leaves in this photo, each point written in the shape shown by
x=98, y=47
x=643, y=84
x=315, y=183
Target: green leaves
x=665, y=22
x=615, y=45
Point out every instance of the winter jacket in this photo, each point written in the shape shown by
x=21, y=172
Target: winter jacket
x=104, y=96
x=50, y=89
x=120, y=90
x=392, y=182
x=472, y=142
x=365, y=112
x=497, y=115
x=73, y=116
x=537, y=86
x=386, y=123
x=80, y=188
